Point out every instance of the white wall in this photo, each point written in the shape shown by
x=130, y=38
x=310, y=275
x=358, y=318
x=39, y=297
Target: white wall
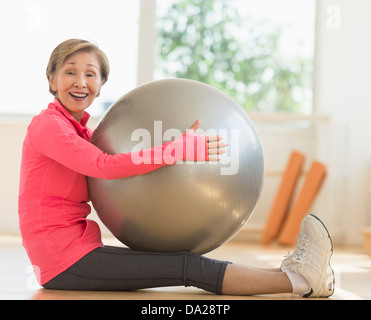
x=12, y=131
x=342, y=89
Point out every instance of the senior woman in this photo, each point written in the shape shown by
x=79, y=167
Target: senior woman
x=65, y=247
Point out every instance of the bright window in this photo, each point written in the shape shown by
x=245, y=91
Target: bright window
x=30, y=30
x=258, y=52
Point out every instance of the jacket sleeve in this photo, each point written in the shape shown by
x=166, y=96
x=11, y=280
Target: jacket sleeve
x=57, y=139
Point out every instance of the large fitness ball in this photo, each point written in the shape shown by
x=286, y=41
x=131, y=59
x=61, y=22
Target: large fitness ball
x=187, y=206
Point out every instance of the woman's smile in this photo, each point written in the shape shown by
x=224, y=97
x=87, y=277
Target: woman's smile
x=78, y=96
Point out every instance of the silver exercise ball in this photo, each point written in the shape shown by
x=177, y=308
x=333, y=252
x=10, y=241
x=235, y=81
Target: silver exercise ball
x=187, y=206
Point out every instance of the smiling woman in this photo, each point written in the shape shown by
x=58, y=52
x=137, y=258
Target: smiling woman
x=76, y=71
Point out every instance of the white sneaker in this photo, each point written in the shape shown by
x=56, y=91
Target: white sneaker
x=311, y=258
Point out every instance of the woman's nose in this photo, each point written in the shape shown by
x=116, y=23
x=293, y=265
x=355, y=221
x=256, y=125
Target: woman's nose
x=80, y=82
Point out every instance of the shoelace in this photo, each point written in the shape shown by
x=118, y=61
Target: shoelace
x=299, y=253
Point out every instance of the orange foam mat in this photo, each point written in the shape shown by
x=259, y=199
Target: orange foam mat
x=283, y=196
x=312, y=184
x=282, y=200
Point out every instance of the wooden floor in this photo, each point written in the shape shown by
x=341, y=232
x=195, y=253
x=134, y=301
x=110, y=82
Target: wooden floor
x=352, y=268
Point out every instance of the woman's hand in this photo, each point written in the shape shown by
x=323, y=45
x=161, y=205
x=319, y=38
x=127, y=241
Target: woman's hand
x=214, y=144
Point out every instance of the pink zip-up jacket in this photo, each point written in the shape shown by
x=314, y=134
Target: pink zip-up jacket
x=53, y=195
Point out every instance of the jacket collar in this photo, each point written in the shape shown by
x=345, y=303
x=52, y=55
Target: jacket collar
x=80, y=126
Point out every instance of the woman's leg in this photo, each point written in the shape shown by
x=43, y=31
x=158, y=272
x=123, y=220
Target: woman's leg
x=115, y=268
x=121, y=269
x=243, y=280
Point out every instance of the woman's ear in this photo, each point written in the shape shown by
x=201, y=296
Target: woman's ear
x=52, y=83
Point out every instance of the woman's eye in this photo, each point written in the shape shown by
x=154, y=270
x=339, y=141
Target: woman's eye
x=90, y=75
x=70, y=73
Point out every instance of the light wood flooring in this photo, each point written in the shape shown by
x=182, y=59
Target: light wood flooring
x=352, y=267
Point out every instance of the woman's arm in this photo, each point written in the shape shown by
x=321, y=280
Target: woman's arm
x=55, y=138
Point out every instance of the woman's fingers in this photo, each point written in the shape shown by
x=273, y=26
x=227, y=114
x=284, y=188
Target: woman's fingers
x=213, y=158
x=216, y=144
x=217, y=151
x=214, y=138
x=215, y=147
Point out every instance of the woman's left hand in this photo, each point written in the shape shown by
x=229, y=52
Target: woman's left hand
x=214, y=144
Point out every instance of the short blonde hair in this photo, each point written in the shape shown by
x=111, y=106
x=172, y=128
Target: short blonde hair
x=68, y=48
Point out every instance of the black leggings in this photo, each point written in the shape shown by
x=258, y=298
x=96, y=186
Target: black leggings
x=122, y=269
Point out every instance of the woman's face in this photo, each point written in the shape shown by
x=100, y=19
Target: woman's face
x=77, y=82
